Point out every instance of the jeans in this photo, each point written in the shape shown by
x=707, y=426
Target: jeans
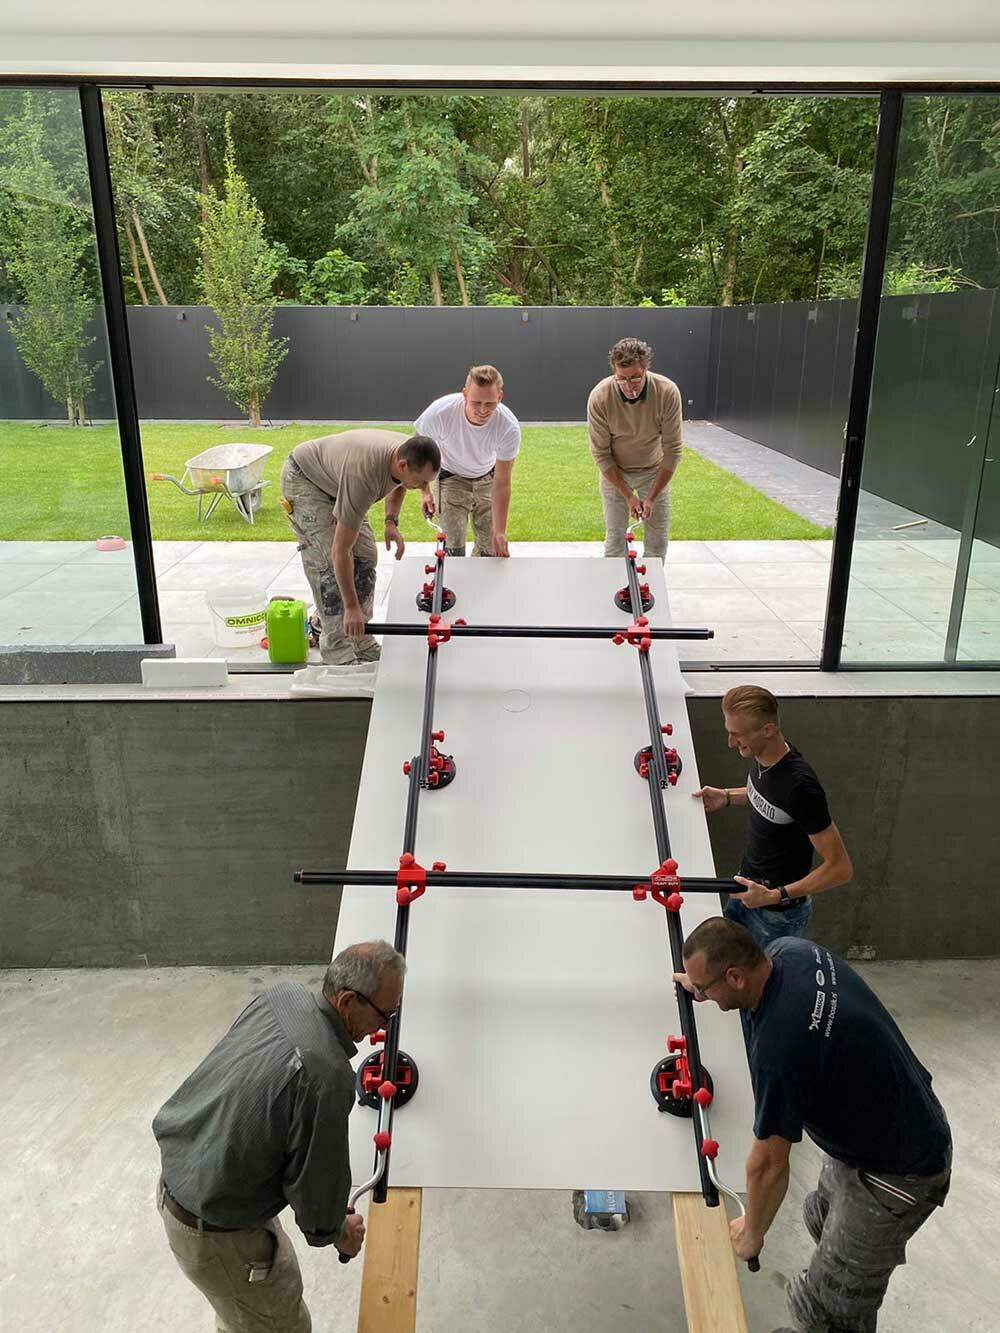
x=765, y=924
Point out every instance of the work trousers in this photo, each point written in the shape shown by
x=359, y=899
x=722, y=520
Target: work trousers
x=458, y=500
x=860, y=1225
x=310, y=512
x=220, y=1264
x=656, y=529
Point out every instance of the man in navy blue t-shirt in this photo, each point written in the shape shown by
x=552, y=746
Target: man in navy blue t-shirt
x=827, y=1058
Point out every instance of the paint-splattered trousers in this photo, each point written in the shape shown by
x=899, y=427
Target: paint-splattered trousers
x=458, y=500
x=310, y=512
x=860, y=1222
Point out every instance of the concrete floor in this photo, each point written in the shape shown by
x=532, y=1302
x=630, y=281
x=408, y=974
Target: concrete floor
x=88, y=1056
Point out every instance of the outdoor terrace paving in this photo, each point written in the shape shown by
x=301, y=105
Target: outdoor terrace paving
x=765, y=600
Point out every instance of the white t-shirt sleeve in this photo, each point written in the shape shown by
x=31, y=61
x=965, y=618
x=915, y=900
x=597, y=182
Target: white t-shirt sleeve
x=426, y=421
x=509, y=444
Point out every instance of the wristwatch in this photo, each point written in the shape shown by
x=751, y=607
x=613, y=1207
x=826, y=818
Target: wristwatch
x=786, y=898
x=394, y=522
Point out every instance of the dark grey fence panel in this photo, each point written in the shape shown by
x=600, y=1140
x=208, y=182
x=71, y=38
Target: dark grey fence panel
x=386, y=363
x=22, y=397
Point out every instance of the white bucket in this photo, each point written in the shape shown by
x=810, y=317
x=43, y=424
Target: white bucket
x=238, y=616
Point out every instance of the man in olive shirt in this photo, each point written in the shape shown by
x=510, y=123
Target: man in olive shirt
x=262, y=1124
x=634, y=421
x=327, y=487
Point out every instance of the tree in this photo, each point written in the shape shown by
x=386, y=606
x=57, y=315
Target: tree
x=336, y=279
x=415, y=198
x=238, y=268
x=47, y=241
x=140, y=189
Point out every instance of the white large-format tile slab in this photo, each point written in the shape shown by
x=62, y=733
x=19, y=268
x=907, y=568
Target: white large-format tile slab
x=529, y=1048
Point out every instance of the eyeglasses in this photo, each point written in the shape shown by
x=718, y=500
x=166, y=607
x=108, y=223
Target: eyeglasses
x=633, y=381
x=385, y=1017
x=702, y=991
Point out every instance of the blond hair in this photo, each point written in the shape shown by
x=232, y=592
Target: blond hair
x=752, y=701
x=628, y=351
x=484, y=376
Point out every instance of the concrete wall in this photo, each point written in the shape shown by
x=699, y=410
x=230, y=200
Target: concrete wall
x=168, y=833
x=910, y=787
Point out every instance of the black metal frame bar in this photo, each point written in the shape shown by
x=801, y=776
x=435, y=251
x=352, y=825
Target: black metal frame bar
x=872, y=273
x=459, y=630
x=120, y=353
x=657, y=781
x=419, y=774
x=478, y=879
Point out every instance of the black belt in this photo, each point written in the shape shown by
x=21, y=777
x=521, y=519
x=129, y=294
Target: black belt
x=444, y=474
x=178, y=1210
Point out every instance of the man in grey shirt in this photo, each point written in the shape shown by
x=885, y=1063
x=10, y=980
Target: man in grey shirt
x=262, y=1124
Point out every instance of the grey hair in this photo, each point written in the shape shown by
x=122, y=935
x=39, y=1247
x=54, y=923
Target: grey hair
x=362, y=967
x=631, y=351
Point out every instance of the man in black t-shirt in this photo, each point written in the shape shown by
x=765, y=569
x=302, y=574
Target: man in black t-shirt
x=827, y=1058
x=788, y=821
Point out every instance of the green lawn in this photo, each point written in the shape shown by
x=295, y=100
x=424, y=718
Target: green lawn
x=64, y=484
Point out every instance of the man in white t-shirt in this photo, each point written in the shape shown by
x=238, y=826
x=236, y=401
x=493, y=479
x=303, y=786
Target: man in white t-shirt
x=479, y=439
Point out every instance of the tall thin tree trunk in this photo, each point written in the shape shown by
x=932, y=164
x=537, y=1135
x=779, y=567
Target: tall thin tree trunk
x=458, y=270
x=436, y=285
x=148, y=258
x=525, y=148
x=199, y=136
x=729, y=280
x=134, y=261
x=254, y=413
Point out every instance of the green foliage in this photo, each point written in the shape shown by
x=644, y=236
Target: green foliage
x=238, y=268
x=407, y=288
x=335, y=279
x=46, y=242
x=900, y=280
x=502, y=299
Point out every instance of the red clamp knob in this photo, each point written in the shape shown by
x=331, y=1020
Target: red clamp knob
x=631, y=554
x=639, y=893
x=439, y=555
x=441, y=537
x=672, y=779
x=459, y=621
x=382, y=1140
x=680, y=1089
x=674, y=903
x=641, y=569
x=428, y=569
x=377, y=1038
x=709, y=1148
x=428, y=589
x=703, y=1098
x=677, y=1044
x=411, y=880
x=387, y=1090
x=630, y=536
x=407, y=765
x=438, y=866
x=437, y=735
x=619, y=639
x=667, y=729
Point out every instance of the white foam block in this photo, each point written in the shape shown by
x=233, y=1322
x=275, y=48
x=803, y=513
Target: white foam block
x=536, y=1017
x=184, y=672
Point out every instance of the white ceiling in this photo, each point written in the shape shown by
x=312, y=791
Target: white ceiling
x=714, y=40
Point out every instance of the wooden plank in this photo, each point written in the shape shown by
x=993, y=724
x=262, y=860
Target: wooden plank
x=391, y=1253
x=708, y=1267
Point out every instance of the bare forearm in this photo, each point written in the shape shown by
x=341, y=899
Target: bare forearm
x=343, y=568
x=737, y=795
x=827, y=875
x=660, y=482
x=614, y=478
x=766, y=1188
x=501, y=505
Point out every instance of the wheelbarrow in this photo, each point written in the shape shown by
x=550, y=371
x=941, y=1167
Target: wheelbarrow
x=224, y=472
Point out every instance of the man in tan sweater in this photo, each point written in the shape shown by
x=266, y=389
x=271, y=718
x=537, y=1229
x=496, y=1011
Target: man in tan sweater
x=634, y=422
